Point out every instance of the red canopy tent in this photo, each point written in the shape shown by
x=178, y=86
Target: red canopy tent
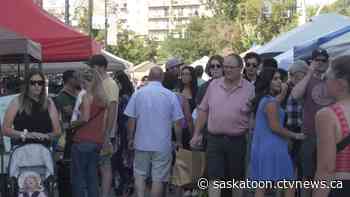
x=59, y=42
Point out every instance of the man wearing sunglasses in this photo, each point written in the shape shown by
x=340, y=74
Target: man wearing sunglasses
x=252, y=61
x=225, y=107
x=313, y=92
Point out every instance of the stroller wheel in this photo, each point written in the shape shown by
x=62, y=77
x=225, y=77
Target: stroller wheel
x=50, y=184
x=12, y=187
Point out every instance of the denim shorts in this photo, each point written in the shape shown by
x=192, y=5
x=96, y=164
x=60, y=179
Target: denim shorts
x=154, y=164
x=105, y=160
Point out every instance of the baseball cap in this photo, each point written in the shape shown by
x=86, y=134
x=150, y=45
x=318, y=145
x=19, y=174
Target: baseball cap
x=298, y=66
x=319, y=52
x=97, y=60
x=173, y=62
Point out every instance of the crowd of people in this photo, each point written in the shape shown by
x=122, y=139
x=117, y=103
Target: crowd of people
x=251, y=120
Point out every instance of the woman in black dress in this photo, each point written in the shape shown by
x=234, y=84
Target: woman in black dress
x=32, y=117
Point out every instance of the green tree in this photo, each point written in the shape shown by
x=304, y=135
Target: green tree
x=226, y=8
x=340, y=6
x=81, y=15
x=249, y=24
x=134, y=48
x=204, y=36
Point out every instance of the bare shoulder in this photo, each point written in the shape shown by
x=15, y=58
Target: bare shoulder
x=325, y=119
x=325, y=114
x=14, y=104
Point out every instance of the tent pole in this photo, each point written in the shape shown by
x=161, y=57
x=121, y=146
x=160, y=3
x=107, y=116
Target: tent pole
x=26, y=64
x=40, y=66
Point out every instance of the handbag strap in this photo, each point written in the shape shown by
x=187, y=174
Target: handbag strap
x=344, y=127
x=90, y=119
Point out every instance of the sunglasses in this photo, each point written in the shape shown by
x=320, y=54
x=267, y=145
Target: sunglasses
x=321, y=60
x=250, y=64
x=215, y=66
x=40, y=83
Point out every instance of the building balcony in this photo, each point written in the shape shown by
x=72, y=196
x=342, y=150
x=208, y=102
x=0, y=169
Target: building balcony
x=158, y=29
x=173, y=3
x=158, y=17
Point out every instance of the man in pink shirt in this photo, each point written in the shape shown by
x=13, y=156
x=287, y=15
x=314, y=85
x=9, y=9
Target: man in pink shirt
x=226, y=107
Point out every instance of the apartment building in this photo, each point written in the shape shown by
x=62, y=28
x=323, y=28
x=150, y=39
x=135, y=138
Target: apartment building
x=153, y=18
x=167, y=16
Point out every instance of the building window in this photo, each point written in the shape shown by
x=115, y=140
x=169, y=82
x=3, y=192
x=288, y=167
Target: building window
x=166, y=12
x=181, y=12
x=196, y=13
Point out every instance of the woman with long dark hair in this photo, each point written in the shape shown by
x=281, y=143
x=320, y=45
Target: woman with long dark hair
x=122, y=159
x=189, y=86
x=270, y=159
x=32, y=117
x=188, y=90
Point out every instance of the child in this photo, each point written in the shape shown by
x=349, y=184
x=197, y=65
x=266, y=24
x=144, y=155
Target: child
x=30, y=185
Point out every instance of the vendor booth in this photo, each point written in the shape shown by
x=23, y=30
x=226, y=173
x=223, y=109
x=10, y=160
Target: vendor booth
x=59, y=42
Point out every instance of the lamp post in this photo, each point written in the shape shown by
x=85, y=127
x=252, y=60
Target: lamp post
x=106, y=24
x=90, y=11
x=66, y=12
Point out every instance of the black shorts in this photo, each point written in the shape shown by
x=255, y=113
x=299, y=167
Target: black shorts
x=226, y=157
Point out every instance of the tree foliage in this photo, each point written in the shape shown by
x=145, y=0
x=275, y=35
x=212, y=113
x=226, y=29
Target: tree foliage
x=81, y=14
x=133, y=48
x=340, y=6
x=226, y=8
x=237, y=25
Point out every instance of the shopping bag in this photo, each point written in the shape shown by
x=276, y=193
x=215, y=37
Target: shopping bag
x=188, y=168
x=198, y=165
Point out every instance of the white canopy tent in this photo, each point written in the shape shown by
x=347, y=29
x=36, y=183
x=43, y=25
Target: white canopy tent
x=114, y=63
x=316, y=27
x=203, y=62
x=335, y=43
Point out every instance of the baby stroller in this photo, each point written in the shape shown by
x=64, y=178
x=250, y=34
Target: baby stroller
x=30, y=159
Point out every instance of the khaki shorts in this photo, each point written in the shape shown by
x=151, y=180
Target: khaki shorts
x=154, y=164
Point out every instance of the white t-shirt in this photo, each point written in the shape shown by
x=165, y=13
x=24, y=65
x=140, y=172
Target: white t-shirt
x=76, y=111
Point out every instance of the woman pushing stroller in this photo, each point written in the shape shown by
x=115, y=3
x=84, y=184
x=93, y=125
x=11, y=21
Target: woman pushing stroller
x=32, y=117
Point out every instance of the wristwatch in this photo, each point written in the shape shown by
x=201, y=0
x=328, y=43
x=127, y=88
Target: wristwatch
x=24, y=134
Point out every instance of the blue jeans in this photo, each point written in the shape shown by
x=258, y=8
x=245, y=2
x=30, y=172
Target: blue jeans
x=85, y=158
